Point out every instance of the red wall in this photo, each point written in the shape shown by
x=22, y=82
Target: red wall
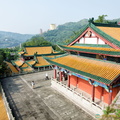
x=106, y=96
x=84, y=85
x=99, y=91
x=114, y=93
x=73, y=80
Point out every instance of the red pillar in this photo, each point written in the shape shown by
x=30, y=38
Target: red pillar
x=102, y=92
x=60, y=76
x=93, y=92
x=55, y=73
x=77, y=83
x=110, y=97
x=68, y=80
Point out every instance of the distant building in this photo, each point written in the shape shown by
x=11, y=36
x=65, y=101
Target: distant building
x=52, y=26
x=41, y=32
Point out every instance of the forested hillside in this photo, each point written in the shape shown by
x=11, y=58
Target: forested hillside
x=9, y=39
x=64, y=32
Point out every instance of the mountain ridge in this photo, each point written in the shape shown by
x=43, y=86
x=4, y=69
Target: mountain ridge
x=63, y=33
x=12, y=39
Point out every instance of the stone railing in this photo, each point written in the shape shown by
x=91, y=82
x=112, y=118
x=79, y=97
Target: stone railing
x=78, y=98
x=23, y=72
x=9, y=111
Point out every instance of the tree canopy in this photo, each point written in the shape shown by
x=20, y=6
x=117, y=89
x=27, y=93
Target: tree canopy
x=36, y=41
x=101, y=19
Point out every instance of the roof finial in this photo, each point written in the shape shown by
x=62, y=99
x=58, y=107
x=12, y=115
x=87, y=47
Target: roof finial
x=91, y=20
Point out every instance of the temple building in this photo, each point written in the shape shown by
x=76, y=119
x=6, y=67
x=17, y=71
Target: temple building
x=90, y=66
x=40, y=63
x=32, y=58
x=22, y=66
x=29, y=51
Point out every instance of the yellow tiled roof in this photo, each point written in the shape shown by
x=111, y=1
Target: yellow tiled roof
x=25, y=65
x=28, y=69
x=18, y=62
x=112, y=31
x=3, y=112
x=31, y=62
x=39, y=50
x=13, y=69
x=20, y=53
x=102, y=69
x=96, y=48
x=41, y=62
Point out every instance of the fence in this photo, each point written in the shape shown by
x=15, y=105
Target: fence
x=78, y=98
x=9, y=112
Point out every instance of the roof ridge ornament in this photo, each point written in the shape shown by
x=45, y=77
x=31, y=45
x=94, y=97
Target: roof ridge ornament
x=91, y=20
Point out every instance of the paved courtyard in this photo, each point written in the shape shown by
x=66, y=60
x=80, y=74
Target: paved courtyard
x=40, y=103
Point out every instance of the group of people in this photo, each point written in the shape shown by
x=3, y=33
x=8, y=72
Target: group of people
x=33, y=83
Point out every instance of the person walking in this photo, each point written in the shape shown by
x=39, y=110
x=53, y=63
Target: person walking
x=33, y=84
x=47, y=78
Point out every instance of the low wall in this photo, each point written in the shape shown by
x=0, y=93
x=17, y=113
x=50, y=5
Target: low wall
x=9, y=112
x=86, y=104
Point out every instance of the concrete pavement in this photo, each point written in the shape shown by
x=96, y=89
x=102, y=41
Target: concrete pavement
x=41, y=103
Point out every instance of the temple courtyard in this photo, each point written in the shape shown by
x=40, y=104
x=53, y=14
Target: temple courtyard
x=40, y=103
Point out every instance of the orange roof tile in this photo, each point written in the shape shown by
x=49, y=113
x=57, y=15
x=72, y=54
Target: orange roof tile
x=41, y=62
x=3, y=112
x=31, y=62
x=18, y=62
x=39, y=50
x=95, y=48
x=20, y=53
x=28, y=69
x=13, y=69
x=102, y=69
x=112, y=31
x=25, y=65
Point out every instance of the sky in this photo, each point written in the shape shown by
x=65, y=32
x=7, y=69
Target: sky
x=29, y=16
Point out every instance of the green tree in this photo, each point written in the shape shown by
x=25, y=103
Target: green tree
x=101, y=19
x=36, y=41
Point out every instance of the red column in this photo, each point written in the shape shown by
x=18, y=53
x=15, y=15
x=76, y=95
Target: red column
x=60, y=76
x=102, y=92
x=55, y=73
x=93, y=92
x=68, y=80
x=110, y=97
